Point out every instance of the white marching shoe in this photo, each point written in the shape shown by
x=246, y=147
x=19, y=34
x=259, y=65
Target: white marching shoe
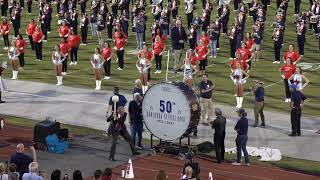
x=59, y=79
x=98, y=85
x=14, y=75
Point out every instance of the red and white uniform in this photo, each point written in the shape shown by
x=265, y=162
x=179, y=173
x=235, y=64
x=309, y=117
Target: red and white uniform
x=158, y=47
x=202, y=52
x=249, y=43
x=64, y=31
x=5, y=28
x=119, y=43
x=74, y=41
x=148, y=55
x=206, y=39
x=115, y=35
x=37, y=36
x=106, y=54
x=64, y=49
x=294, y=56
x=244, y=64
x=162, y=38
x=245, y=53
x=20, y=45
x=31, y=28
x=288, y=70
x=194, y=60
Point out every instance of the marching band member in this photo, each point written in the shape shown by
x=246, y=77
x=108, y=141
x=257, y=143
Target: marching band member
x=201, y=53
x=64, y=51
x=3, y=66
x=164, y=23
x=109, y=22
x=159, y=33
x=174, y=8
x=314, y=14
x=44, y=19
x=257, y=37
x=57, y=60
x=249, y=40
x=96, y=60
x=73, y=42
x=297, y=79
x=5, y=29
x=93, y=23
x=106, y=55
x=293, y=55
x=237, y=76
x=143, y=65
x=100, y=28
x=64, y=30
x=189, y=7
x=20, y=45
x=287, y=71
x=83, y=6
x=301, y=36
x=189, y=70
x=158, y=48
x=74, y=20
x=192, y=36
x=233, y=40
x=277, y=45
x=16, y=19
x=37, y=38
x=31, y=28
x=84, y=22
x=120, y=42
x=13, y=55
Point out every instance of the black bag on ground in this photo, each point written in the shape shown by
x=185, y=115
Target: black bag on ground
x=205, y=147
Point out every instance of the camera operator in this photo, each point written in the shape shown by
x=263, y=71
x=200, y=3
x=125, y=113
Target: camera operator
x=194, y=165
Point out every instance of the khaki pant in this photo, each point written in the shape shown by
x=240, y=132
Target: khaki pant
x=177, y=59
x=206, y=109
x=258, y=110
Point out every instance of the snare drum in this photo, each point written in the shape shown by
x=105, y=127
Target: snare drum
x=314, y=19
x=170, y=110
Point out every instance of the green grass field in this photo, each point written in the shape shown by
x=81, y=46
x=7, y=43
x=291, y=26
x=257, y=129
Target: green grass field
x=82, y=75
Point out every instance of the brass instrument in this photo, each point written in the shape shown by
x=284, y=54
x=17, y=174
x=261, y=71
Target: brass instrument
x=189, y=7
x=276, y=34
x=232, y=32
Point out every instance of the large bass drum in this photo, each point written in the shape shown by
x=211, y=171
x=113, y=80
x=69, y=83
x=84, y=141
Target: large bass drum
x=170, y=110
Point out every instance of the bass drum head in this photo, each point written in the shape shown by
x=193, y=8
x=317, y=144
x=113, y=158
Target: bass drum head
x=169, y=109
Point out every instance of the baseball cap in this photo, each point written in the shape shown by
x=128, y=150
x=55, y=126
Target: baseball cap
x=241, y=111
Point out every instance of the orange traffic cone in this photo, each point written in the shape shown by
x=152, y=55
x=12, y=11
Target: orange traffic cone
x=129, y=172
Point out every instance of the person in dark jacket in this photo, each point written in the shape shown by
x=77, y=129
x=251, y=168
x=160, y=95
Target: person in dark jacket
x=136, y=119
x=258, y=93
x=242, y=137
x=178, y=36
x=117, y=127
x=297, y=101
x=219, y=126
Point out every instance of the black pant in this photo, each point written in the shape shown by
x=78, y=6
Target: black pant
x=6, y=40
x=295, y=120
x=233, y=45
x=218, y=42
x=38, y=48
x=106, y=67
x=65, y=65
x=16, y=29
x=120, y=54
x=21, y=60
x=22, y=3
x=44, y=29
x=84, y=35
x=236, y=4
x=225, y=24
x=4, y=10
x=109, y=27
x=219, y=146
x=277, y=50
x=29, y=4
x=300, y=40
x=31, y=42
x=149, y=75
x=74, y=54
x=125, y=136
x=158, y=59
x=297, y=6
x=189, y=19
x=286, y=88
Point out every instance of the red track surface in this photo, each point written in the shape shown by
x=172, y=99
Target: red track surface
x=147, y=168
